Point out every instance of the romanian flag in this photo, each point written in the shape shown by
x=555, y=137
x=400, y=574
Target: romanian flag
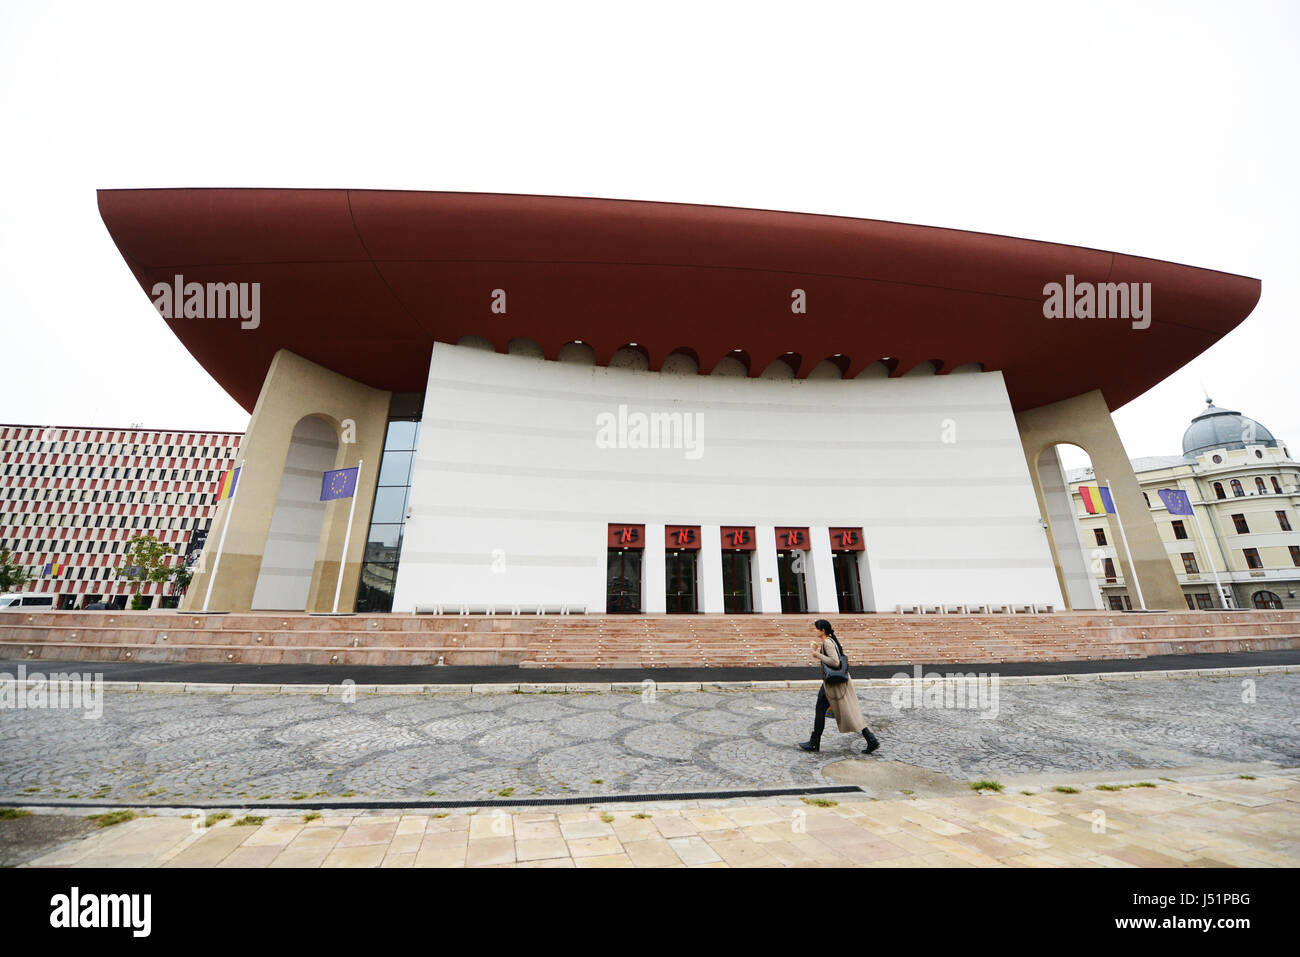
x=227, y=487
x=52, y=568
x=1096, y=499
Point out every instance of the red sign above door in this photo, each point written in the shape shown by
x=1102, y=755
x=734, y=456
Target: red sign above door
x=847, y=540
x=682, y=537
x=738, y=538
x=792, y=538
x=626, y=536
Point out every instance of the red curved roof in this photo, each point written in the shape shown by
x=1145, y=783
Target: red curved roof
x=364, y=281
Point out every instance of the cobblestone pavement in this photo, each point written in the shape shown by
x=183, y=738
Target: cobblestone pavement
x=1224, y=823
x=164, y=747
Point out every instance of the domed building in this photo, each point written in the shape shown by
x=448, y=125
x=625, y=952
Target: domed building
x=1240, y=548
x=1217, y=428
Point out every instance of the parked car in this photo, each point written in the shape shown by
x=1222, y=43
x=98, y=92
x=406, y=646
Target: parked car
x=14, y=602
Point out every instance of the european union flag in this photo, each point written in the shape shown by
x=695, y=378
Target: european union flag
x=1175, y=500
x=340, y=483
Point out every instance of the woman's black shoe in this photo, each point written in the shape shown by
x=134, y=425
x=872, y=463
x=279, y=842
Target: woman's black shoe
x=811, y=745
x=872, y=741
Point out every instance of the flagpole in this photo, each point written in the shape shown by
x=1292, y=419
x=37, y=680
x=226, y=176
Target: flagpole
x=230, y=511
x=1142, y=602
x=347, y=536
x=1208, y=557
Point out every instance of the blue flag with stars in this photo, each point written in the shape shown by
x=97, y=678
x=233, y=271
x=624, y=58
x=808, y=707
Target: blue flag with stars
x=340, y=483
x=1175, y=500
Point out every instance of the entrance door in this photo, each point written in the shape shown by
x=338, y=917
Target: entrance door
x=794, y=598
x=680, y=579
x=848, y=584
x=737, y=583
x=623, y=582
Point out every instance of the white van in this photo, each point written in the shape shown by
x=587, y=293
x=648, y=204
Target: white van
x=14, y=602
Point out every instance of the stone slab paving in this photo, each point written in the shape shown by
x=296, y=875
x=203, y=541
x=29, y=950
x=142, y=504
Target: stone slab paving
x=237, y=749
x=1228, y=822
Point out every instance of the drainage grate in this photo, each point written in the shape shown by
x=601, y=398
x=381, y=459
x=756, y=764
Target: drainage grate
x=499, y=802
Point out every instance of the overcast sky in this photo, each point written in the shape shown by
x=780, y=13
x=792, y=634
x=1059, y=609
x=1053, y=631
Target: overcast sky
x=1166, y=130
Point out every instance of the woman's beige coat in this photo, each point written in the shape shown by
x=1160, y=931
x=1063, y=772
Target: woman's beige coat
x=843, y=699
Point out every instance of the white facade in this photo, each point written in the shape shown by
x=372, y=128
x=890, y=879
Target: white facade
x=514, y=486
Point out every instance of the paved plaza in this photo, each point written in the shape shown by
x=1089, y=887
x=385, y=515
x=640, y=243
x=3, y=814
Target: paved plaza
x=238, y=749
x=1235, y=822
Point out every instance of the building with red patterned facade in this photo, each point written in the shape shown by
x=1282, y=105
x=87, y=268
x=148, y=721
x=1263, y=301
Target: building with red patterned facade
x=72, y=498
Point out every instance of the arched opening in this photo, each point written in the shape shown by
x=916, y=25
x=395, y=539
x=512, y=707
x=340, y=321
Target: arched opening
x=476, y=342
x=880, y=369
x=966, y=368
x=780, y=368
x=735, y=364
x=1087, y=564
x=928, y=367
x=525, y=347
x=293, y=542
x=1265, y=599
x=682, y=361
x=577, y=352
x=632, y=357
x=832, y=367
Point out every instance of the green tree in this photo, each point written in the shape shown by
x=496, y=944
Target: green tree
x=12, y=575
x=181, y=580
x=145, y=562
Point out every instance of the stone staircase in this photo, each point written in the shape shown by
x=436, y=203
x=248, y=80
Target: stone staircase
x=629, y=641
x=261, y=638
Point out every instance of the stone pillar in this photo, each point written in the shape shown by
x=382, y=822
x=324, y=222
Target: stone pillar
x=654, y=600
x=293, y=389
x=710, y=560
x=1085, y=421
x=820, y=578
x=767, y=586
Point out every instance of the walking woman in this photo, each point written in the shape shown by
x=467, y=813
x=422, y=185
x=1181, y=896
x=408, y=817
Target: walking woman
x=836, y=694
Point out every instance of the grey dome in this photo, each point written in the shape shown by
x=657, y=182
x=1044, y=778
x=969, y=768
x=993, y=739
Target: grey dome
x=1218, y=428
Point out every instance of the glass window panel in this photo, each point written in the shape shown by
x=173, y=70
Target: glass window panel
x=384, y=543
x=389, y=536
x=401, y=435
x=390, y=506
x=375, y=592
x=396, y=468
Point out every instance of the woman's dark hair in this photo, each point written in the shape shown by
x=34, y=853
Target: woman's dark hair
x=825, y=626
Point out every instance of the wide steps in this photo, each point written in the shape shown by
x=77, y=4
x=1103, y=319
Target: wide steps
x=619, y=641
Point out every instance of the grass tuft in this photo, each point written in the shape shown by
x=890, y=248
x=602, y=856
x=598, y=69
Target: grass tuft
x=985, y=785
x=110, y=818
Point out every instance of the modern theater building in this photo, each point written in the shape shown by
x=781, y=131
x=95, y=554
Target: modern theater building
x=612, y=406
